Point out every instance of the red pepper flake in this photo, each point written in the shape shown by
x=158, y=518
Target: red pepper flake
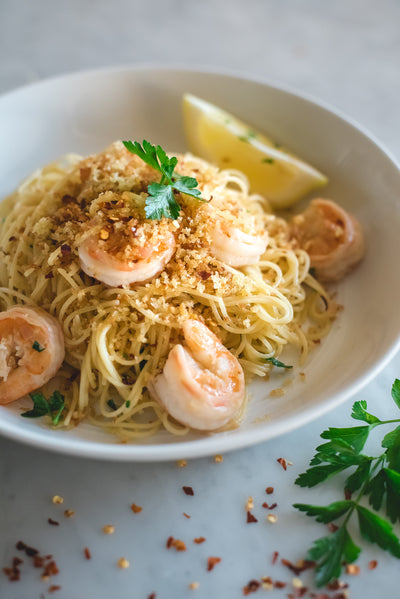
x=251, y=518
x=65, y=249
x=204, y=275
x=336, y=585
x=49, y=275
x=282, y=462
x=136, y=509
x=251, y=587
x=269, y=507
x=372, y=564
x=279, y=584
x=347, y=494
x=332, y=527
x=53, y=522
x=50, y=569
x=269, y=490
x=176, y=543
x=188, y=490
x=275, y=556
x=38, y=561
x=152, y=596
x=13, y=573
x=300, y=567
x=211, y=562
x=300, y=592
x=199, y=540
x=186, y=515
x=87, y=553
x=30, y=551
x=54, y=588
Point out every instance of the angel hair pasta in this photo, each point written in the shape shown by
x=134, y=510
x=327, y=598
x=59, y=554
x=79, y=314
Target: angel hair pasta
x=78, y=242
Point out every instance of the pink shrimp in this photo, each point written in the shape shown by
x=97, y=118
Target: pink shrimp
x=233, y=246
x=332, y=238
x=31, y=351
x=114, y=270
x=202, y=383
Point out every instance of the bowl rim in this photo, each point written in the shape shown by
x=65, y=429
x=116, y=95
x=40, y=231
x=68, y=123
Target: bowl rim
x=206, y=70
x=217, y=443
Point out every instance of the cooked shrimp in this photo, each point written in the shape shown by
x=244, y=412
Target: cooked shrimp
x=234, y=247
x=31, y=351
x=135, y=264
x=332, y=238
x=202, y=384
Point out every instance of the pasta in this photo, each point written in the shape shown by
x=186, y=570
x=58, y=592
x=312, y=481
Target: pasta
x=118, y=337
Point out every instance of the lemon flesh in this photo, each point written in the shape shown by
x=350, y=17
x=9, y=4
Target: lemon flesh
x=222, y=139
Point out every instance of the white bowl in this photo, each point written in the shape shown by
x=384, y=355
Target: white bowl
x=86, y=111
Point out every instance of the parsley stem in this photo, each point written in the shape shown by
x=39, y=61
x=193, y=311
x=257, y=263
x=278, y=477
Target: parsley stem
x=356, y=501
x=165, y=180
x=388, y=421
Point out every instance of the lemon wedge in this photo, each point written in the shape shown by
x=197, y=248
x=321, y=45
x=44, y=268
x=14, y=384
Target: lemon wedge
x=222, y=139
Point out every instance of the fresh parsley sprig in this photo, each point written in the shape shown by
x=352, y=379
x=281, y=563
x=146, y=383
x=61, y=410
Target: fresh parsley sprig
x=277, y=363
x=376, y=478
x=161, y=200
x=52, y=407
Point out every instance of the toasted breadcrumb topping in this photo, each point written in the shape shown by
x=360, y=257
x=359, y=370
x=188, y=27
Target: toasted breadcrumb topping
x=104, y=196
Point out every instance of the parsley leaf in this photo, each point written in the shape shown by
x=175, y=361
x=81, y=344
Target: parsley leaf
x=359, y=476
x=377, y=530
x=40, y=406
x=161, y=200
x=188, y=186
x=392, y=494
x=375, y=488
x=52, y=407
x=329, y=553
x=391, y=442
x=277, y=363
x=355, y=436
x=359, y=413
x=325, y=513
x=377, y=478
x=56, y=406
x=36, y=346
x=318, y=474
x=396, y=392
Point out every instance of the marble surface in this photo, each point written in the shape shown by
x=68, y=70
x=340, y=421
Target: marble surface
x=345, y=53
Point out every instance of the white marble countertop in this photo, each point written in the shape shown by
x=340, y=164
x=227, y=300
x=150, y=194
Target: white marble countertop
x=346, y=53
